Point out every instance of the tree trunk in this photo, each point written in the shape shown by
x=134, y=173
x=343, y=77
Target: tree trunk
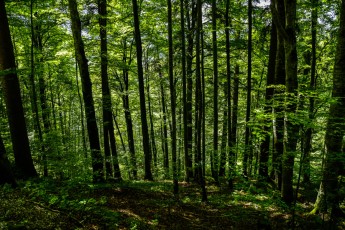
x=108, y=125
x=126, y=107
x=165, y=130
x=292, y=128
x=152, y=130
x=233, y=137
x=198, y=101
x=145, y=132
x=6, y=174
x=231, y=157
x=11, y=91
x=188, y=172
x=97, y=159
x=191, y=19
x=247, y=149
x=279, y=91
x=83, y=136
x=334, y=161
x=309, y=132
x=265, y=145
x=222, y=158
x=214, y=154
x=172, y=99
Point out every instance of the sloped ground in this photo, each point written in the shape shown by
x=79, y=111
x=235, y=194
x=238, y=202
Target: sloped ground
x=145, y=205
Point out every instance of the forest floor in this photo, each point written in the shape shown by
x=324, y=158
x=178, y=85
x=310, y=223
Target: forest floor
x=49, y=204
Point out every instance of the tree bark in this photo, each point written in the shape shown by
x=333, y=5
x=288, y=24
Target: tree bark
x=334, y=161
x=247, y=150
x=172, y=98
x=233, y=137
x=165, y=130
x=310, y=130
x=214, y=154
x=191, y=20
x=6, y=174
x=108, y=125
x=265, y=145
x=145, y=132
x=292, y=128
x=279, y=91
x=127, y=111
x=11, y=91
x=198, y=101
x=97, y=159
x=188, y=172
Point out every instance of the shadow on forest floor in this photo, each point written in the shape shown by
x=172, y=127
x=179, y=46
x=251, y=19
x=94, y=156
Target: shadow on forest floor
x=147, y=205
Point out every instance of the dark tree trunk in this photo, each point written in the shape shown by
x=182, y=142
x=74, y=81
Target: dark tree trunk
x=145, y=132
x=231, y=156
x=83, y=135
x=97, y=159
x=108, y=126
x=128, y=116
x=203, y=97
x=292, y=129
x=247, y=149
x=279, y=96
x=11, y=91
x=152, y=130
x=309, y=132
x=233, y=137
x=36, y=42
x=187, y=160
x=6, y=174
x=334, y=163
x=191, y=19
x=165, y=130
x=198, y=101
x=222, y=158
x=34, y=106
x=265, y=145
x=172, y=99
x=214, y=154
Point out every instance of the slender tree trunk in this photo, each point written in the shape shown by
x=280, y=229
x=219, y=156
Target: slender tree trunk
x=152, y=130
x=172, y=99
x=188, y=172
x=97, y=159
x=11, y=91
x=247, y=149
x=145, y=132
x=128, y=115
x=265, y=145
x=203, y=120
x=191, y=19
x=38, y=45
x=233, y=137
x=165, y=130
x=231, y=157
x=83, y=135
x=222, y=159
x=198, y=100
x=214, y=154
x=35, y=113
x=108, y=125
x=309, y=131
